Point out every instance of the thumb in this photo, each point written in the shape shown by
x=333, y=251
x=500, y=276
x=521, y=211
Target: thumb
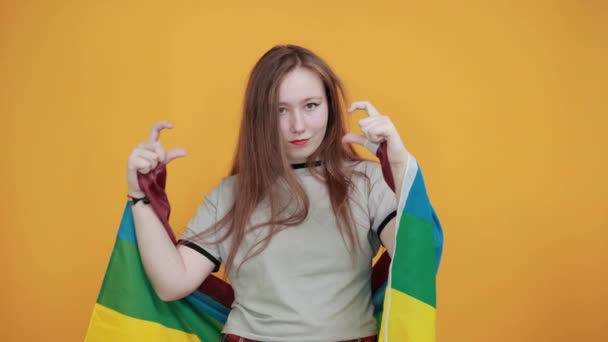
x=353, y=138
x=175, y=153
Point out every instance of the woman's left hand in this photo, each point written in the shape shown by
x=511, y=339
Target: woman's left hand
x=378, y=128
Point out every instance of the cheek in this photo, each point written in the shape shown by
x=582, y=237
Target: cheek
x=284, y=128
x=319, y=121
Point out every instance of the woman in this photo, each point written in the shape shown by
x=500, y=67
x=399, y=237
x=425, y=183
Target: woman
x=298, y=241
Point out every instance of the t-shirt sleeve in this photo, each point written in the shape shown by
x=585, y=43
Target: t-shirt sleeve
x=382, y=203
x=199, y=235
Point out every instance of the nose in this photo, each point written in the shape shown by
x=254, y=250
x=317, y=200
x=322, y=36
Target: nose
x=297, y=123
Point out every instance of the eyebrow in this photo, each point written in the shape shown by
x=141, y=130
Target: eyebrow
x=305, y=100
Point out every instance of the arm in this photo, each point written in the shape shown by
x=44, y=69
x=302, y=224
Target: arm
x=377, y=129
x=174, y=272
x=388, y=237
x=397, y=164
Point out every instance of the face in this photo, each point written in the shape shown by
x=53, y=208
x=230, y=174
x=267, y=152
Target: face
x=302, y=113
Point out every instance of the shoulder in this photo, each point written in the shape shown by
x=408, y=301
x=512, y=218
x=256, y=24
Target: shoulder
x=227, y=184
x=222, y=194
x=369, y=168
x=364, y=175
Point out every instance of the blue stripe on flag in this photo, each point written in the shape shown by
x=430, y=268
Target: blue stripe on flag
x=419, y=205
x=127, y=226
x=209, y=306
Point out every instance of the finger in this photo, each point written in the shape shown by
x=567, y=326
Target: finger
x=364, y=105
x=175, y=153
x=377, y=132
x=160, y=151
x=151, y=159
x=148, y=155
x=372, y=120
x=155, y=132
x=374, y=123
x=148, y=146
x=142, y=165
x=354, y=138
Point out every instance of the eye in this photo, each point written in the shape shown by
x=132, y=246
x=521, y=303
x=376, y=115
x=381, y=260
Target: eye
x=311, y=105
x=282, y=110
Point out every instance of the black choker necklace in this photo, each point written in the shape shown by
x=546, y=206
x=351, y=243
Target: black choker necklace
x=303, y=165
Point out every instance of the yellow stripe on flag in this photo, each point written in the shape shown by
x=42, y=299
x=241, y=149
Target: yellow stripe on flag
x=109, y=325
x=409, y=320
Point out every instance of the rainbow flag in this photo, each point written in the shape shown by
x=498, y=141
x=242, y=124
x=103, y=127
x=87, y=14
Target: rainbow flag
x=128, y=309
x=410, y=299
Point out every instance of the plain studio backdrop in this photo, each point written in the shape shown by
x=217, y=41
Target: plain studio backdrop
x=502, y=102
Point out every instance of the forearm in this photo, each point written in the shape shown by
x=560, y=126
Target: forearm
x=162, y=262
x=398, y=172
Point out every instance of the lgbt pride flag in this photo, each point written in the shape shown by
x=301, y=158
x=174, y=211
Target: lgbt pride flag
x=410, y=299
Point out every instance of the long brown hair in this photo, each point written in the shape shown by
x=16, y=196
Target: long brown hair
x=264, y=173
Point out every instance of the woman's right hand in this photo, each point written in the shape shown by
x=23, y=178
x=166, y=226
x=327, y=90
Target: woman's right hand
x=145, y=157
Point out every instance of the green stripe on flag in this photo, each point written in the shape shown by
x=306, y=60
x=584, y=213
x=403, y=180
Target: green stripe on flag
x=415, y=259
x=127, y=290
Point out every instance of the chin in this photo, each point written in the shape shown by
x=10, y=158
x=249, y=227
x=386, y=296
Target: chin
x=297, y=158
x=300, y=156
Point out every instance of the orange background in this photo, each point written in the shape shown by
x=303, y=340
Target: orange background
x=500, y=101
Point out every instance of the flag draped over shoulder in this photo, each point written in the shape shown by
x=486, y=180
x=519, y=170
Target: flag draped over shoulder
x=128, y=309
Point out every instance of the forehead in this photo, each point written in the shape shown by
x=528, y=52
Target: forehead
x=300, y=84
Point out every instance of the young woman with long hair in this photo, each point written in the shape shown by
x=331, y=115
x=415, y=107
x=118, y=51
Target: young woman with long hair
x=298, y=220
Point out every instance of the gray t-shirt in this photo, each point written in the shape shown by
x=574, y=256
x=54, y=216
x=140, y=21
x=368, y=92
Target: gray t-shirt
x=303, y=286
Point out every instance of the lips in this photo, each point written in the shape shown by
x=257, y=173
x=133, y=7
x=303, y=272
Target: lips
x=299, y=142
